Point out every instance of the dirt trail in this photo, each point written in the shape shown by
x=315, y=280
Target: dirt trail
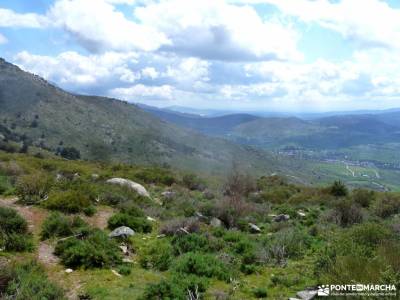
x=45, y=251
x=101, y=217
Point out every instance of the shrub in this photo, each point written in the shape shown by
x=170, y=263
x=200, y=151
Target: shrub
x=58, y=225
x=71, y=201
x=14, y=234
x=338, y=189
x=158, y=256
x=363, y=197
x=28, y=281
x=156, y=175
x=192, y=182
x=33, y=188
x=93, y=250
x=125, y=270
x=138, y=224
x=387, y=205
x=173, y=227
x=70, y=153
x=204, y=265
x=260, y=292
x=190, y=243
x=89, y=211
x=176, y=288
x=347, y=213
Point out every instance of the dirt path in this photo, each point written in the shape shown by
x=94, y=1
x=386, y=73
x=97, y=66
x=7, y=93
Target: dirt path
x=101, y=217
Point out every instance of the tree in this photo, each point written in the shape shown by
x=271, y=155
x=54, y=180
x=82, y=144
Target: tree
x=70, y=153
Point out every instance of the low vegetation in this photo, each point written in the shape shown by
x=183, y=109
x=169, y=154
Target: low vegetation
x=241, y=237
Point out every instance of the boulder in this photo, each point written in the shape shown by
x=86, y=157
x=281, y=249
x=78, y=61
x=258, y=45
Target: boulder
x=307, y=294
x=95, y=176
x=131, y=185
x=122, y=231
x=215, y=222
x=254, y=228
x=281, y=218
x=208, y=195
x=68, y=271
x=200, y=216
x=150, y=219
x=168, y=194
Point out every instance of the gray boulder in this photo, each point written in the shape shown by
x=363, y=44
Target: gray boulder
x=122, y=231
x=138, y=188
x=281, y=218
x=254, y=228
x=168, y=194
x=307, y=295
x=215, y=222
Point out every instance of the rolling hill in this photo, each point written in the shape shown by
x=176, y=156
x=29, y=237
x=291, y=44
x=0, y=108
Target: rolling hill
x=108, y=129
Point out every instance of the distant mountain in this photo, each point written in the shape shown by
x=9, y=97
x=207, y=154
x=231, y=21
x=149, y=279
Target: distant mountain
x=276, y=132
x=109, y=129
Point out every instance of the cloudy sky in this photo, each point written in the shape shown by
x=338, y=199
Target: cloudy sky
x=281, y=55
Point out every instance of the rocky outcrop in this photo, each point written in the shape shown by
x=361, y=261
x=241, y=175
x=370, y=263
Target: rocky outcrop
x=138, y=188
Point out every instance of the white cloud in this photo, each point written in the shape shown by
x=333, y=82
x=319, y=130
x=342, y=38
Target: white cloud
x=368, y=22
x=9, y=18
x=213, y=29
x=70, y=69
x=150, y=72
x=98, y=26
x=3, y=39
x=140, y=92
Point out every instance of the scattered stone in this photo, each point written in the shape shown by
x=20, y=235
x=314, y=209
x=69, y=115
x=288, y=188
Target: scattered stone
x=68, y=271
x=116, y=273
x=168, y=194
x=254, y=228
x=127, y=260
x=150, y=219
x=301, y=213
x=95, y=176
x=122, y=231
x=200, y=216
x=307, y=295
x=294, y=299
x=140, y=189
x=183, y=230
x=59, y=177
x=208, y=195
x=76, y=176
x=215, y=222
x=281, y=218
x=161, y=236
x=124, y=249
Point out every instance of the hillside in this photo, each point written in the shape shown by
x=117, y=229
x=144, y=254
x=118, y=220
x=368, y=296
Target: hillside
x=108, y=129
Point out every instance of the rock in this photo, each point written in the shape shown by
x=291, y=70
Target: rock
x=95, y=176
x=127, y=260
x=254, y=228
x=168, y=194
x=301, y=213
x=150, y=219
x=124, y=249
x=281, y=218
x=122, y=231
x=183, y=230
x=215, y=222
x=116, y=273
x=76, y=176
x=68, y=271
x=208, y=195
x=161, y=236
x=200, y=216
x=294, y=299
x=131, y=185
x=307, y=295
x=59, y=177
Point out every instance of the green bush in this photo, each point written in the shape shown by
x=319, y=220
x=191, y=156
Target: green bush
x=58, y=225
x=338, y=189
x=138, y=224
x=156, y=176
x=347, y=213
x=190, y=243
x=93, y=250
x=14, y=234
x=176, y=288
x=72, y=201
x=387, y=205
x=125, y=270
x=89, y=211
x=363, y=197
x=260, y=292
x=28, y=281
x=204, y=265
x=158, y=256
x=33, y=188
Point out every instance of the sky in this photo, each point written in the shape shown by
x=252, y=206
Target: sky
x=267, y=55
